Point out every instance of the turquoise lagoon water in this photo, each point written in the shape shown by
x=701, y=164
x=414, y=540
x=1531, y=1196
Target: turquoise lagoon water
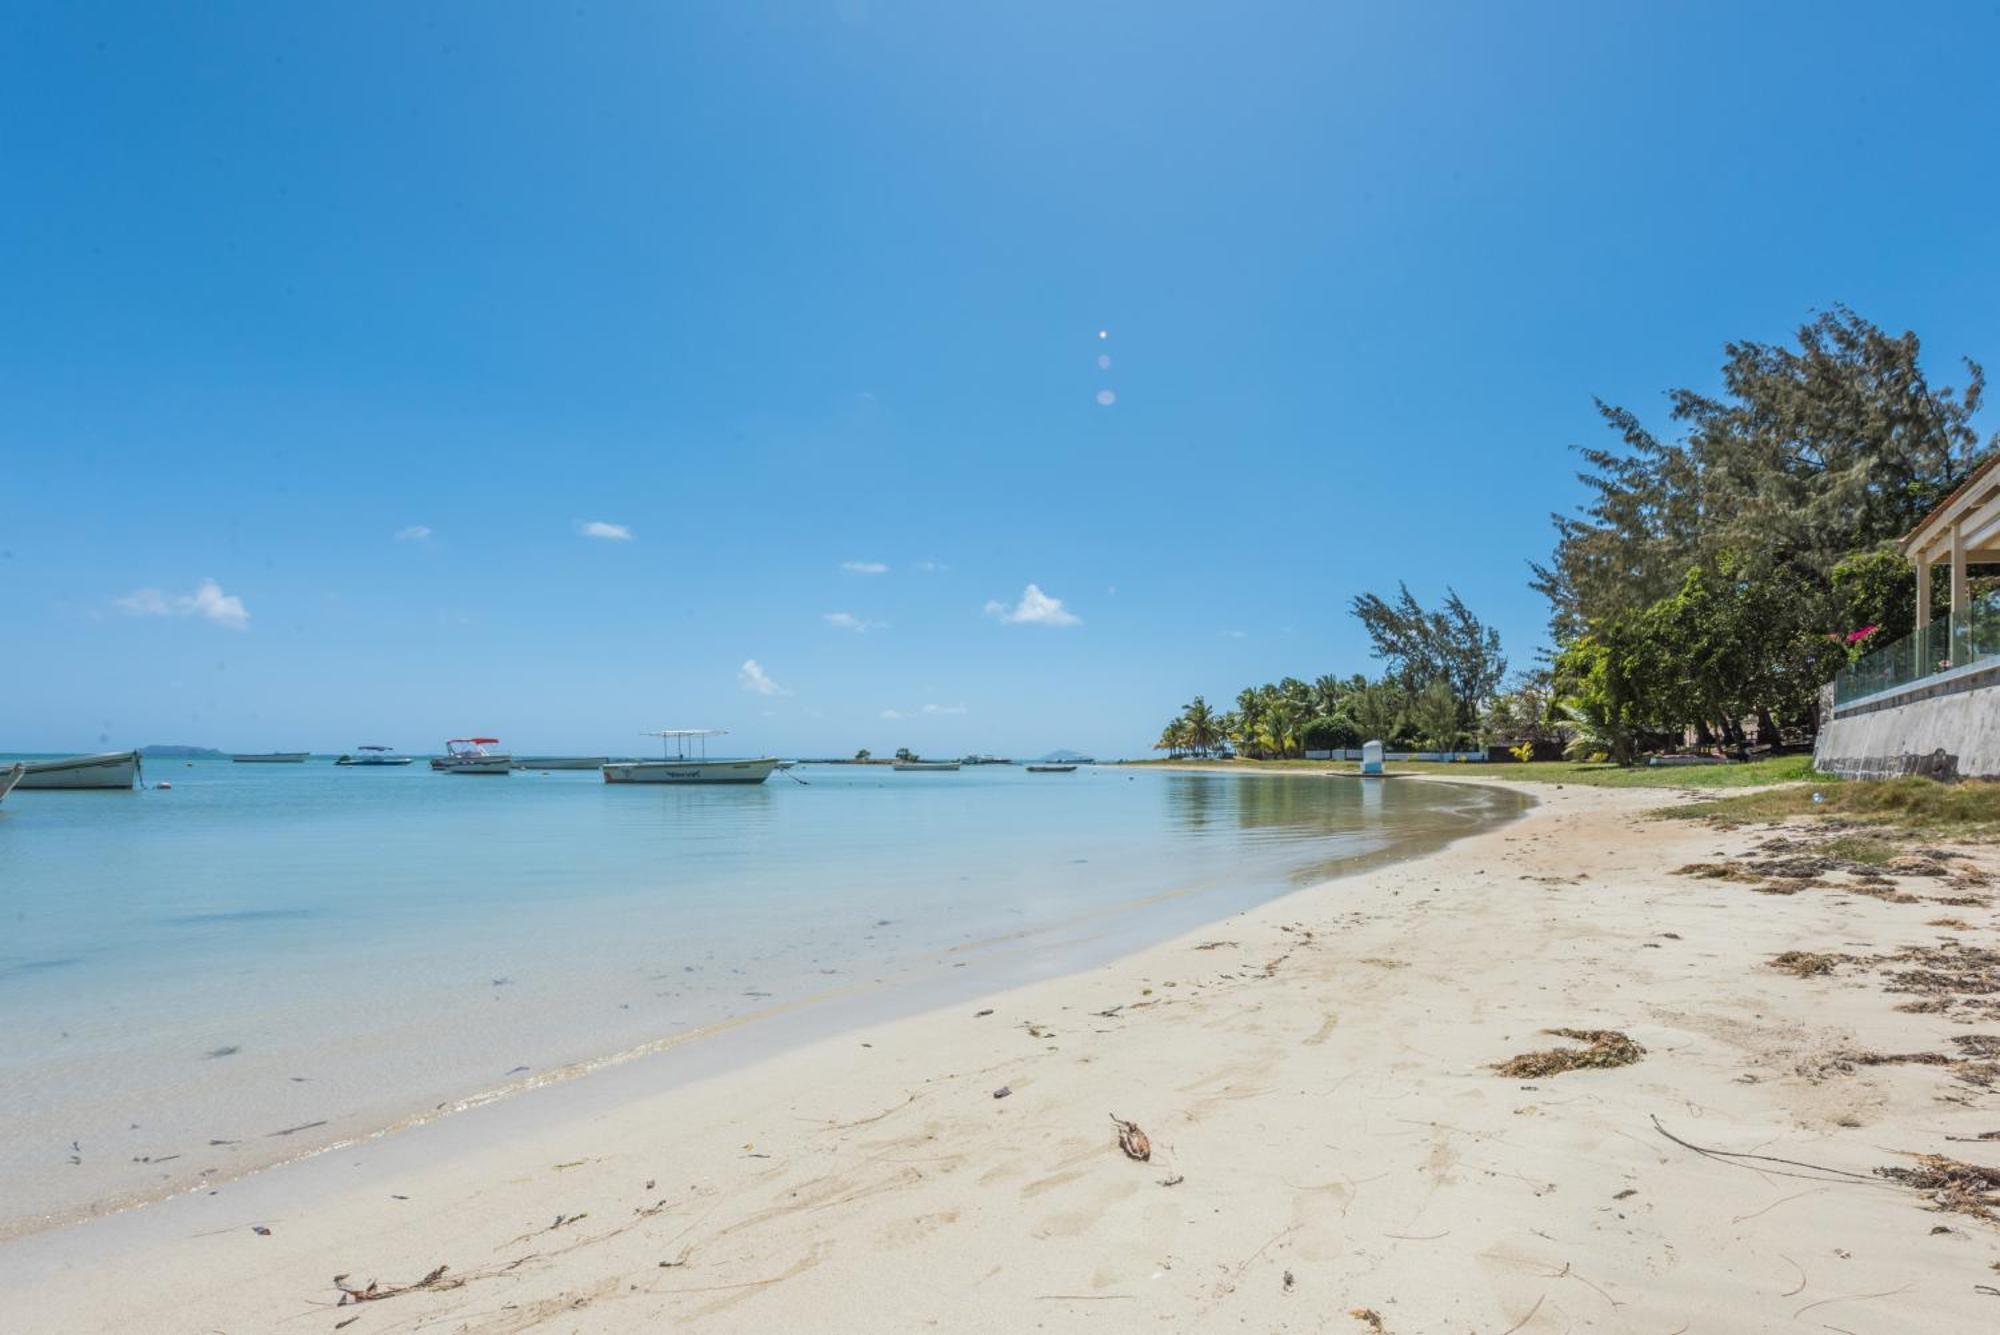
x=267, y=959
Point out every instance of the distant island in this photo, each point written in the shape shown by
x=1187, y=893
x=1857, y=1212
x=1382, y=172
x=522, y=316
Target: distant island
x=182, y=752
x=1065, y=758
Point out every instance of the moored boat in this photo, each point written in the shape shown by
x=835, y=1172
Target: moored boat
x=468, y=755
x=371, y=756
x=921, y=766
x=9, y=777
x=273, y=758
x=113, y=769
x=682, y=767
x=1051, y=769
x=561, y=762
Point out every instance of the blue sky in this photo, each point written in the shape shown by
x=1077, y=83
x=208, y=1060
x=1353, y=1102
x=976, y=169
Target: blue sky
x=327, y=332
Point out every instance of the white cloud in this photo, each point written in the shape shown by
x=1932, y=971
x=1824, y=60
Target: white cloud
x=208, y=602
x=849, y=621
x=1035, y=609
x=892, y=713
x=1233, y=634
x=865, y=567
x=944, y=709
x=597, y=528
x=414, y=533
x=752, y=677
x=928, y=566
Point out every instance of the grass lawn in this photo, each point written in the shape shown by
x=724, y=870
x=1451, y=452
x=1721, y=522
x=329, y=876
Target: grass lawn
x=1969, y=810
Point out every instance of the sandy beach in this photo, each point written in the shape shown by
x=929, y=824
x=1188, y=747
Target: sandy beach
x=1331, y=1148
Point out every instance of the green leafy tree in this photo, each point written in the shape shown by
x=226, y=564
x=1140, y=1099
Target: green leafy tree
x=1447, y=644
x=864, y=755
x=1434, y=716
x=1377, y=710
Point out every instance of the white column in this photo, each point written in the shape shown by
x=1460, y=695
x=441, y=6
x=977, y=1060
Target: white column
x=1923, y=589
x=1961, y=599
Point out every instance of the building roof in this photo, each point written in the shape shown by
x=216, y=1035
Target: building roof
x=1981, y=480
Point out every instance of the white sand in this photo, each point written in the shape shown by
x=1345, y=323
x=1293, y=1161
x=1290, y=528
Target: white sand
x=1317, y=1090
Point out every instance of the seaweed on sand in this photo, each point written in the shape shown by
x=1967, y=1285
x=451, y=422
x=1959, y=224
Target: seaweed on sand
x=1603, y=1048
x=1953, y=1186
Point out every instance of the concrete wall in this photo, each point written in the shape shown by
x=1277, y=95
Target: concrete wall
x=1946, y=729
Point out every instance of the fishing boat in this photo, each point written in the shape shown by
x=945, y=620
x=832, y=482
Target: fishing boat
x=1051, y=769
x=925, y=766
x=273, y=758
x=684, y=767
x=561, y=762
x=372, y=756
x=468, y=755
x=9, y=777
x=114, y=769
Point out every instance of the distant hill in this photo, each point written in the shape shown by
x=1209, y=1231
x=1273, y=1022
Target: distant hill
x=1064, y=758
x=181, y=752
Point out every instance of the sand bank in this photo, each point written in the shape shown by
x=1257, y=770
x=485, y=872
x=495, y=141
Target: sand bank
x=1328, y=1137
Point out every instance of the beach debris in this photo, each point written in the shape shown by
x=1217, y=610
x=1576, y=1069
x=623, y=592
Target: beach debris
x=294, y=1130
x=980, y=1015
x=1370, y=1318
x=1036, y=1030
x=228, y=1050
x=1807, y=963
x=1132, y=1140
x=1604, y=1048
x=1214, y=945
x=1287, y=1281
x=1003, y=1091
x=260, y=1230
x=1952, y=1185
x=678, y=1261
x=376, y=1291
x=1173, y=1181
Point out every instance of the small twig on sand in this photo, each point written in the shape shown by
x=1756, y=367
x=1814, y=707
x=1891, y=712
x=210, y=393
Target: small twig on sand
x=375, y=1292
x=1731, y=1156
x=1849, y=1298
x=1529, y=1317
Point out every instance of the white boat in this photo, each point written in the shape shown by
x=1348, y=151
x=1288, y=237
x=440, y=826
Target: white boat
x=272, y=758
x=372, y=756
x=926, y=765
x=9, y=777
x=681, y=767
x=115, y=769
x=468, y=755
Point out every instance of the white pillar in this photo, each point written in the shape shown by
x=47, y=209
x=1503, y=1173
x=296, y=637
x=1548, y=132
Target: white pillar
x=1961, y=599
x=1923, y=590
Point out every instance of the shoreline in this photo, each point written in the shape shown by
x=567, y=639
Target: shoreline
x=946, y=975
x=1314, y=1074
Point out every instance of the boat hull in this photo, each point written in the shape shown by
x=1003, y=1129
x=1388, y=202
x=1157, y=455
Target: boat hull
x=1051, y=769
x=275, y=758
x=117, y=769
x=924, y=767
x=9, y=777
x=365, y=763
x=476, y=765
x=689, y=771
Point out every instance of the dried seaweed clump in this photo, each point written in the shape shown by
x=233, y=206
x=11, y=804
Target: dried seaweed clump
x=1603, y=1048
x=1807, y=963
x=1953, y=1186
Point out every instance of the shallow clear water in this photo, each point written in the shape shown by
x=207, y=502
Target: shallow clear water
x=268, y=958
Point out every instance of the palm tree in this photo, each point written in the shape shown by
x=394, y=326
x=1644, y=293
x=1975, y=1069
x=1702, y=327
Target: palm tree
x=1200, y=720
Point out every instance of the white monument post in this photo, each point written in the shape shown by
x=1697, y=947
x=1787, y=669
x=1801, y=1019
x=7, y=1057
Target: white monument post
x=1371, y=759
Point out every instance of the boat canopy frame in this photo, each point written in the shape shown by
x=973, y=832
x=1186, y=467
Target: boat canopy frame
x=683, y=736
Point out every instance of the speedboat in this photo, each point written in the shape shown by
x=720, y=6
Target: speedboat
x=468, y=755
x=681, y=767
x=9, y=777
x=373, y=755
x=273, y=758
x=114, y=769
